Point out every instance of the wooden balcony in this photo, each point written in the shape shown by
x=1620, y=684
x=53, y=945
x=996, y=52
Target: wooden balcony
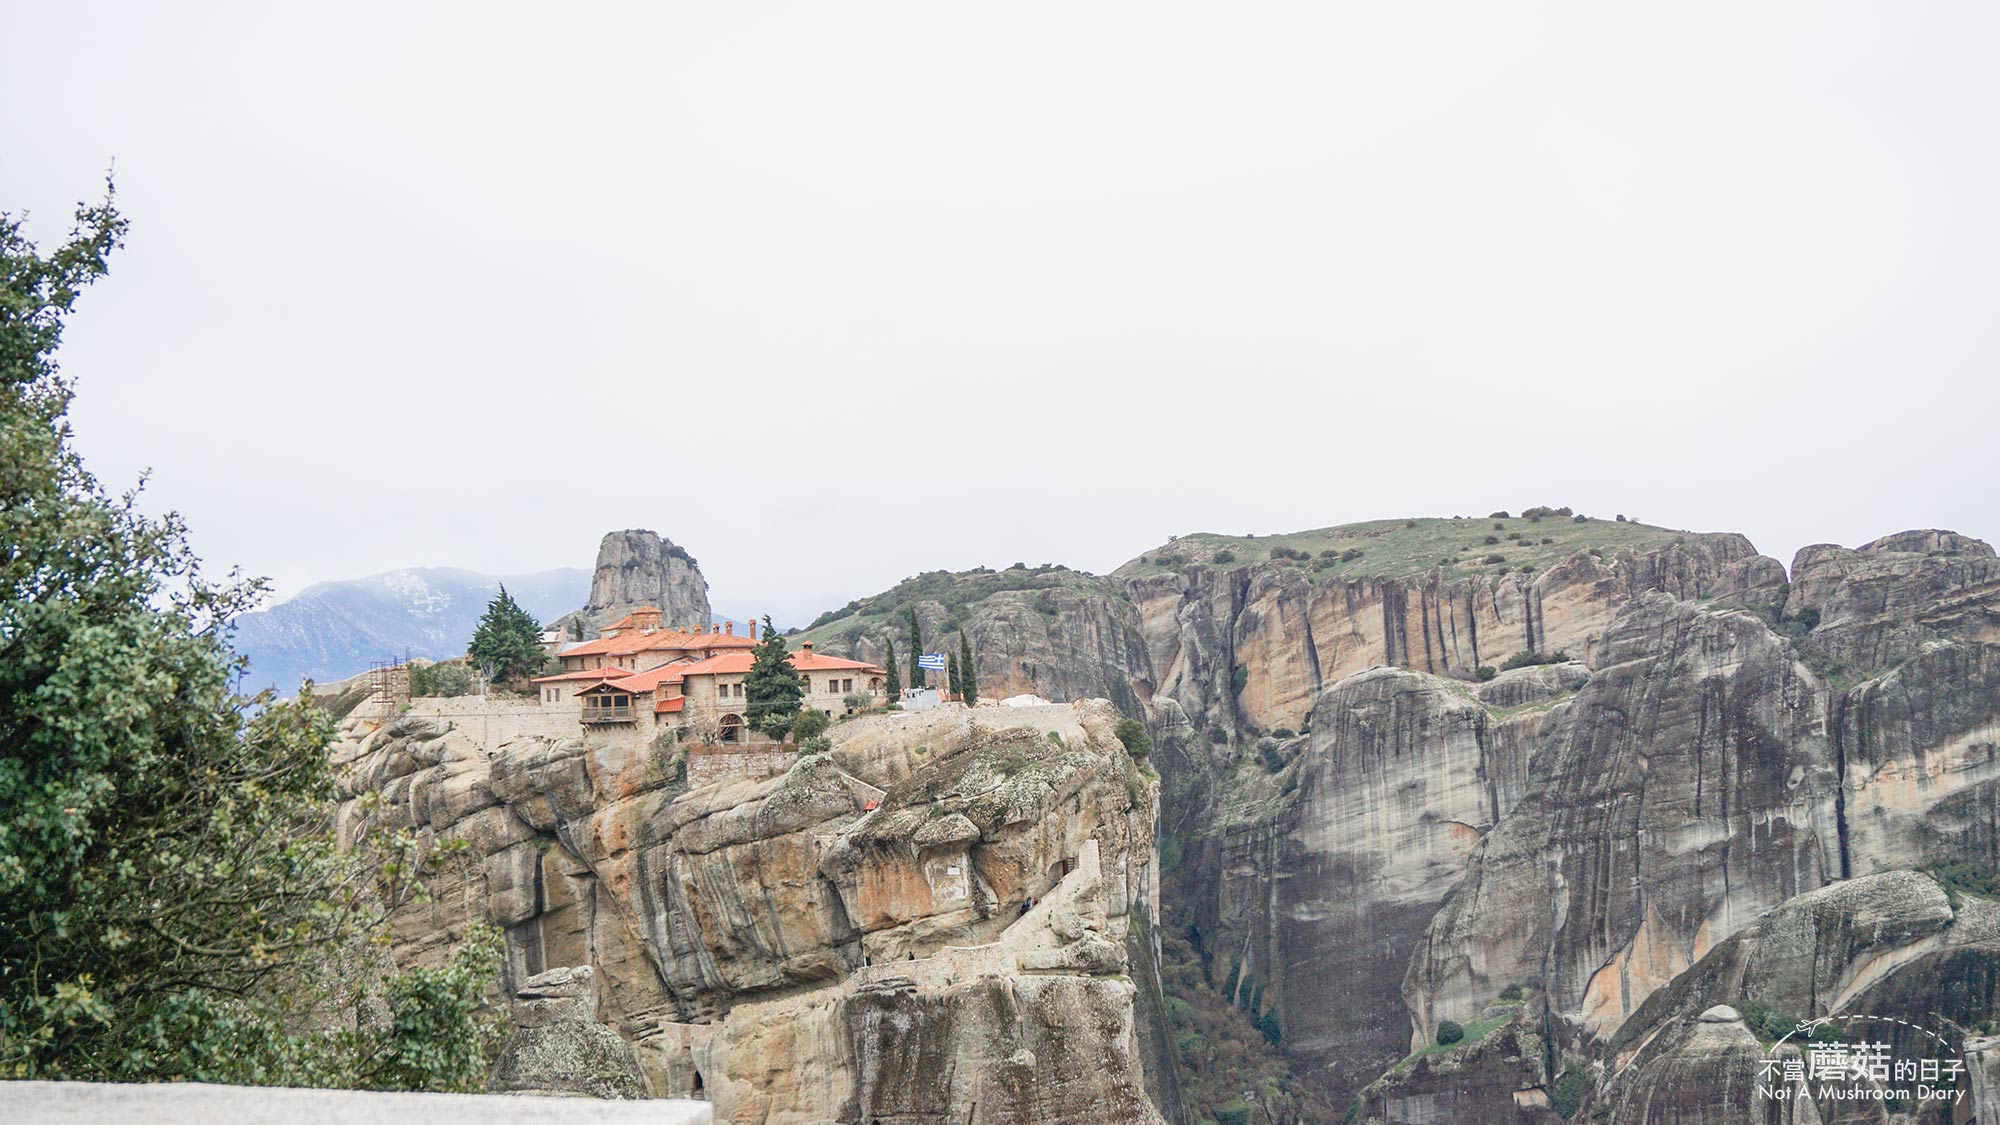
x=608, y=715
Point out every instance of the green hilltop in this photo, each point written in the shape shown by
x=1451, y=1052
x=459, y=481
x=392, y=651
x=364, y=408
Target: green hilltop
x=1532, y=540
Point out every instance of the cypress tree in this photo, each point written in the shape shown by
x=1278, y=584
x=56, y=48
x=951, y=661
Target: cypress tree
x=508, y=643
x=772, y=688
x=968, y=679
x=917, y=678
x=954, y=679
x=895, y=680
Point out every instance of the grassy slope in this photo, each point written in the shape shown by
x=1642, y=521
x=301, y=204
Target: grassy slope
x=1408, y=548
x=883, y=614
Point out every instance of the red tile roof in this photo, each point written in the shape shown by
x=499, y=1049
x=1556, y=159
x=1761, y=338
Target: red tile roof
x=737, y=663
x=586, y=674
x=669, y=706
x=661, y=640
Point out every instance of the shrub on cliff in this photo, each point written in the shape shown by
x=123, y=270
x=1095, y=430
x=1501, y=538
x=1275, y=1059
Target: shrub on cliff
x=811, y=723
x=173, y=901
x=1449, y=1032
x=1132, y=733
x=444, y=678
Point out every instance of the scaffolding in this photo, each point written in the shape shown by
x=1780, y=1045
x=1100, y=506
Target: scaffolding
x=389, y=685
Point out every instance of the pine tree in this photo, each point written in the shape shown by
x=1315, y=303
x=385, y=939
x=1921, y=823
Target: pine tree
x=916, y=650
x=508, y=643
x=968, y=679
x=895, y=681
x=773, y=687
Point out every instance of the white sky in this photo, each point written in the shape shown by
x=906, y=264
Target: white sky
x=469, y=285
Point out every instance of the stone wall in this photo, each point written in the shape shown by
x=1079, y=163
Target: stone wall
x=709, y=768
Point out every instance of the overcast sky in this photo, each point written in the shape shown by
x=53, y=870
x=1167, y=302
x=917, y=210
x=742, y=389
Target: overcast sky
x=834, y=293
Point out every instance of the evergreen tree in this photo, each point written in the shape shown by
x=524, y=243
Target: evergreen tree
x=773, y=687
x=508, y=643
x=916, y=650
x=954, y=679
x=173, y=901
x=894, y=683
x=968, y=680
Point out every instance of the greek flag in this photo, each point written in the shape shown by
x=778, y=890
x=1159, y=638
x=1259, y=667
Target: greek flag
x=931, y=660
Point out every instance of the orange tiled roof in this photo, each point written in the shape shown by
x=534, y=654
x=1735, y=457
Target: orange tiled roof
x=737, y=663
x=669, y=706
x=660, y=640
x=626, y=621
x=588, y=674
x=669, y=673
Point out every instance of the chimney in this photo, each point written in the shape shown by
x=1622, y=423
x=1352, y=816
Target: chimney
x=807, y=648
x=729, y=627
x=753, y=628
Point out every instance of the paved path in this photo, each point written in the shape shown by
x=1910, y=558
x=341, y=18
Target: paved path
x=193, y=1103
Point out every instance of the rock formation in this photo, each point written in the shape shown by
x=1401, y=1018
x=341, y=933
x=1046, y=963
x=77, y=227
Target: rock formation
x=1050, y=631
x=560, y=1048
x=762, y=943
x=637, y=567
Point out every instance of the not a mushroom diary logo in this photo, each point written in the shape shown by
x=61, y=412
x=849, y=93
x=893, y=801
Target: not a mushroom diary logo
x=1848, y=1057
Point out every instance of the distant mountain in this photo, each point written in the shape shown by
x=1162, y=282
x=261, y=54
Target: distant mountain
x=332, y=630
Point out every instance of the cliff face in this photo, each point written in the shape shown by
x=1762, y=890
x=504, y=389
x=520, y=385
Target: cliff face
x=637, y=567
x=740, y=930
x=1050, y=631
x=1293, y=635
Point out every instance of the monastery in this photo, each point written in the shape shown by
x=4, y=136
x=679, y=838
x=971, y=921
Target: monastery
x=639, y=674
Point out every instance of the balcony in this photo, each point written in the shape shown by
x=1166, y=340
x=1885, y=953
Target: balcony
x=607, y=715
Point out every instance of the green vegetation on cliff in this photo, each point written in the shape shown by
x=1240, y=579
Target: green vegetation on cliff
x=1408, y=548
x=956, y=592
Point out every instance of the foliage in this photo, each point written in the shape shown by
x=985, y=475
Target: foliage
x=916, y=649
x=1570, y=1091
x=893, y=684
x=818, y=744
x=1485, y=672
x=1132, y=734
x=507, y=645
x=444, y=678
x=1449, y=1032
x=1274, y=760
x=856, y=700
x=1217, y=735
x=1221, y=1049
x=1531, y=659
x=968, y=684
x=1511, y=992
x=772, y=688
x=1766, y=1022
x=173, y=901
x=1967, y=878
x=810, y=723
x=1224, y=557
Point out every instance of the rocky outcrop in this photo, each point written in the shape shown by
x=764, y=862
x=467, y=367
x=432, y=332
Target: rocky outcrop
x=1692, y=787
x=738, y=930
x=1052, y=632
x=637, y=568
x=1498, y=1078
x=1402, y=775
x=1884, y=958
x=1291, y=636
x=560, y=1048
x=1873, y=608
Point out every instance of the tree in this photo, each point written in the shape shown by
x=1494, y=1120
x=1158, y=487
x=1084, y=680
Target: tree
x=507, y=645
x=773, y=687
x=894, y=682
x=172, y=894
x=810, y=722
x=916, y=650
x=968, y=679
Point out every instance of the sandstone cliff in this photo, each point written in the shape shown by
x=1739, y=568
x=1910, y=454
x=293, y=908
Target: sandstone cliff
x=637, y=567
x=850, y=940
